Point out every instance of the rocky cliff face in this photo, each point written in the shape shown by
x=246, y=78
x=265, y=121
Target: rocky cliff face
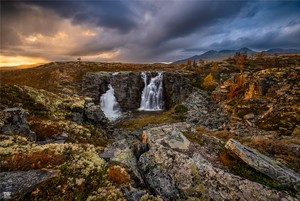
x=176, y=88
x=129, y=85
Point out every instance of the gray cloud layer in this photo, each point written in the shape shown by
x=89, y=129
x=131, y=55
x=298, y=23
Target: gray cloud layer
x=145, y=31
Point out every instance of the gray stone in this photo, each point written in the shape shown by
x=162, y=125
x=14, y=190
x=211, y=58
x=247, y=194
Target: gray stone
x=13, y=121
x=14, y=185
x=169, y=135
x=133, y=194
x=121, y=153
x=158, y=167
x=62, y=136
x=264, y=164
x=202, y=110
x=93, y=112
x=173, y=175
x=216, y=184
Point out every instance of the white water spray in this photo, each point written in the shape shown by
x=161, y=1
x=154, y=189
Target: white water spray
x=109, y=104
x=152, y=95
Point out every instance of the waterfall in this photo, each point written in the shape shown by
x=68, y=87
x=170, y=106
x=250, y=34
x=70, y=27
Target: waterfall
x=109, y=104
x=152, y=95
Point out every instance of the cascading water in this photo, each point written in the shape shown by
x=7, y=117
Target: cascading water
x=152, y=95
x=109, y=104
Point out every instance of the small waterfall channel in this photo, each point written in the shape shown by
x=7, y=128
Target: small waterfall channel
x=152, y=95
x=109, y=104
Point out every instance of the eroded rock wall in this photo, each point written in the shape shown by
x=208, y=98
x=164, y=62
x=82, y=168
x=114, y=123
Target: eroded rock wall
x=129, y=85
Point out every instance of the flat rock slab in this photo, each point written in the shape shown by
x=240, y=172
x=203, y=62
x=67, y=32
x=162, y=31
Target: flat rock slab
x=16, y=184
x=170, y=135
x=264, y=164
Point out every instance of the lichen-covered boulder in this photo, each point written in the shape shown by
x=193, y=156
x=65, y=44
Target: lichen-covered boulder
x=121, y=153
x=264, y=164
x=169, y=135
x=168, y=173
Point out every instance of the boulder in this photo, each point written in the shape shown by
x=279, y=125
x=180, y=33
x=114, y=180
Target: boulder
x=169, y=135
x=93, y=112
x=13, y=121
x=220, y=185
x=167, y=173
x=14, y=185
x=175, y=173
x=122, y=154
x=264, y=164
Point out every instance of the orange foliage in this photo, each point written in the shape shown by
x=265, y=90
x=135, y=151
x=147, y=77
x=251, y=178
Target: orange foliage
x=32, y=160
x=214, y=67
x=236, y=87
x=226, y=159
x=118, y=174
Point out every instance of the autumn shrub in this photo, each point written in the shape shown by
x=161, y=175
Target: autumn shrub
x=209, y=82
x=214, y=67
x=32, y=160
x=118, y=174
x=236, y=87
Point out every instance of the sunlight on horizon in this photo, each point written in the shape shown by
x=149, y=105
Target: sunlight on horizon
x=9, y=61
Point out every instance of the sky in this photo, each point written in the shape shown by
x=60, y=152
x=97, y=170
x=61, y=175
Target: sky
x=141, y=31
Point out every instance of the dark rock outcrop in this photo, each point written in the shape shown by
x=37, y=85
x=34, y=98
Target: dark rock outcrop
x=93, y=112
x=14, y=185
x=176, y=88
x=128, y=87
x=13, y=121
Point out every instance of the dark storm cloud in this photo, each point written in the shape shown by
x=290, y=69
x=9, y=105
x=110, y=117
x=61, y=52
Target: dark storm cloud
x=111, y=14
x=147, y=30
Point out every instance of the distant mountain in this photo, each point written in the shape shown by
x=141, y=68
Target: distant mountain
x=283, y=51
x=222, y=54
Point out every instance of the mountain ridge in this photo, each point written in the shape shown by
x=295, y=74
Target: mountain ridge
x=216, y=55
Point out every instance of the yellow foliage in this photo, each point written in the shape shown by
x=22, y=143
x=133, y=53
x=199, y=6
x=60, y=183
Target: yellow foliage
x=209, y=82
x=214, y=67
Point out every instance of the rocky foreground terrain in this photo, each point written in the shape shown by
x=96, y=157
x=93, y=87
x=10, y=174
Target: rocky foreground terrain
x=230, y=131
